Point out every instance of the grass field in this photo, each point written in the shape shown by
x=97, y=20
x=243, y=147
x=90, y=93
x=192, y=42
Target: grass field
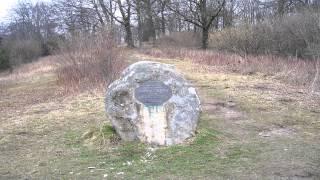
x=251, y=127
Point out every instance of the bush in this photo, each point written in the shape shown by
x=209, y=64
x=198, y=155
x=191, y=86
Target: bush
x=294, y=35
x=88, y=62
x=180, y=39
x=4, y=60
x=23, y=51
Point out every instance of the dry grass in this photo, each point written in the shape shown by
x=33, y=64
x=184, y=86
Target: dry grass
x=89, y=62
x=84, y=63
x=266, y=128
x=43, y=65
x=252, y=127
x=290, y=70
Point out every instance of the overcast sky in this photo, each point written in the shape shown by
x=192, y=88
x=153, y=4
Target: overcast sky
x=6, y=5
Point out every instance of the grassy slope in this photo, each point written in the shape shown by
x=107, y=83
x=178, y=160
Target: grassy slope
x=251, y=127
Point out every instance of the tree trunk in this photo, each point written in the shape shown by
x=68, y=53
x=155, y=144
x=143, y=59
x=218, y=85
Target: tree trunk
x=163, y=23
x=95, y=6
x=205, y=38
x=112, y=19
x=206, y=24
x=163, y=19
x=129, y=39
x=150, y=30
x=138, y=9
x=104, y=10
x=281, y=7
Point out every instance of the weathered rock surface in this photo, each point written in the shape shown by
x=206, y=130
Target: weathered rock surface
x=153, y=103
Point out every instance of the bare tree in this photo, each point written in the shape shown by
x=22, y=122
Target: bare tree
x=138, y=8
x=200, y=13
x=228, y=13
x=108, y=8
x=125, y=8
x=162, y=9
x=96, y=9
x=77, y=15
x=149, y=30
x=30, y=31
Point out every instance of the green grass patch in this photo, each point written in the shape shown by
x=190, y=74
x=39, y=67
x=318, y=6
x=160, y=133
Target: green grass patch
x=72, y=139
x=108, y=130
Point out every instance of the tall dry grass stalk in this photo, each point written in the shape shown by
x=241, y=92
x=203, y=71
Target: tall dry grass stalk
x=315, y=81
x=43, y=65
x=89, y=62
x=291, y=70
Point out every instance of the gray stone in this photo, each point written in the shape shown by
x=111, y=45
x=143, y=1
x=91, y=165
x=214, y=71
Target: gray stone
x=153, y=103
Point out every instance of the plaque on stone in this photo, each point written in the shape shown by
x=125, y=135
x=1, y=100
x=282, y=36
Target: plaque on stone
x=153, y=93
x=153, y=103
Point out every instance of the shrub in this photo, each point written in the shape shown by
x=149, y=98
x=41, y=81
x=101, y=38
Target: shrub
x=88, y=62
x=180, y=39
x=294, y=35
x=23, y=51
x=4, y=60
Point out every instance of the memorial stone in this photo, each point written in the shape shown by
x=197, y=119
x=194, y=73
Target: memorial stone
x=153, y=103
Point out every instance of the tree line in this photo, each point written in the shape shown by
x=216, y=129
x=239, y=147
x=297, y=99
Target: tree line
x=34, y=30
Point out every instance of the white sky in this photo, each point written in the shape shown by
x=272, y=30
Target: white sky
x=6, y=5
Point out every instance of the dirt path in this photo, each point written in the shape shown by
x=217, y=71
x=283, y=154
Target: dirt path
x=252, y=127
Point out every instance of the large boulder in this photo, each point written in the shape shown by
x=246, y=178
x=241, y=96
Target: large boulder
x=153, y=103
